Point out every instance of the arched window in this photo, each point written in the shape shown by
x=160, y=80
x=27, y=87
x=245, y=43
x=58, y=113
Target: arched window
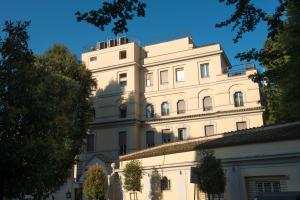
x=238, y=99
x=181, y=107
x=207, y=103
x=123, y=110
x=165, y=108
x=149, y=111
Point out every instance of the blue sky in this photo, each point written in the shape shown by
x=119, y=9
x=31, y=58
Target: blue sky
x=53, y=21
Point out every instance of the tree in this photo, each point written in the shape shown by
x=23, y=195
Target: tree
x=118, y=11
x=133, y=174
x=211, y=176
x=95, y=183
x=44, y=110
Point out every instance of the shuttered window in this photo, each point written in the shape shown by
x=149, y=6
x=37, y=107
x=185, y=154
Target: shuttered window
x=164, y=77
x=209, y=130
x=166, y=136
x=260, y=184
x=207, y=103
x=149, y=138
x=149, y=79
x=241, y=125
x=122, y=143
x=181, y=107
x=182, y=134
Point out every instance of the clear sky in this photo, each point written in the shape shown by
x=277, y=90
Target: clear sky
x=53, y=21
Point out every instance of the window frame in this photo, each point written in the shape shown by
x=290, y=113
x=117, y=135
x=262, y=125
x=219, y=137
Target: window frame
x=181, y=76
x=183, y=137
x=148, y=144
x=205, y=130
x=122, y=54
x=238, y=99
x=123, y=83
x=150, y=80
x=207, y=108
x=152, y=111
x=241, y=122
x=93, y=58
x=206, y=71
x=181, y=111
x=165, y=132
x=123, y=112
x=122, y=147
x=160, y=77
x=167, y=112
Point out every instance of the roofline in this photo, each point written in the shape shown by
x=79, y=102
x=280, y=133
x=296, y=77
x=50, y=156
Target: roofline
x=207, y=142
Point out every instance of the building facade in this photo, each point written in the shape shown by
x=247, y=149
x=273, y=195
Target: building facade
x=165, y=92
x=258, y=162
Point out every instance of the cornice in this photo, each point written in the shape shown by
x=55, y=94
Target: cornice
x=183, y=58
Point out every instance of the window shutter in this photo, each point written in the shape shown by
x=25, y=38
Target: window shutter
x=207, y=103
x=149, y=79
x=209, y=130
x=122, y=138
x=181, y=107
x=241, y=125
x=164, y=77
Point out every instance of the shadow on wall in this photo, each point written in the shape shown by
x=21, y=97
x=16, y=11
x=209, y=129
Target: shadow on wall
x=155, y=184
x=115, y=187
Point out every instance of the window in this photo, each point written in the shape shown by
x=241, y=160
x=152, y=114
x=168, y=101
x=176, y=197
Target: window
x=238, y=99
x=209, y=130
x=94, y=58
x=179, y=75
x=181, y=107
x=164, y=77
x=122, y=55
x=204, y=69
x=149, y=138
x=165, y=183
x=241, y=125
x=149, y=79
x=165, y=109
x=182, y=134
x=123, y=80
x=123, y=110
x=122, y=143
x=166, y=135
x=207, y=103
x=259, y=184
x=149, y=111
x=90, y=143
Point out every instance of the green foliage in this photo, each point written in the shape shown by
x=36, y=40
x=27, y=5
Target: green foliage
x=212, y=179
x=133, y=174
x=95, y=183
x=118, y=11
x=44, y=114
